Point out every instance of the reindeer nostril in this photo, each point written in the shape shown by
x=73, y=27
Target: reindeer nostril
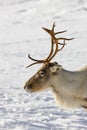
x=30, y=86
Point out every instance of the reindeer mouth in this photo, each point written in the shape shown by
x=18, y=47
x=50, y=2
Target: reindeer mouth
x=29, y=90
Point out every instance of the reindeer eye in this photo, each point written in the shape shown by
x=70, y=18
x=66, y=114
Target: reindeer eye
x=41, y=73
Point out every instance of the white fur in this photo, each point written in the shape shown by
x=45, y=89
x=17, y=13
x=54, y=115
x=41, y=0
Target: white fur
x=70, y=88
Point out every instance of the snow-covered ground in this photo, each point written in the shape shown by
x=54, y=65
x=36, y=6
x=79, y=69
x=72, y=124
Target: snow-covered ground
x=21, y=34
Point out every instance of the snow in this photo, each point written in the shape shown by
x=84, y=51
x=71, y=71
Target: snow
x=21, y=34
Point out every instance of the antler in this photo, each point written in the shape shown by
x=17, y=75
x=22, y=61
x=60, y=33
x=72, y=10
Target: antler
x=54, y=42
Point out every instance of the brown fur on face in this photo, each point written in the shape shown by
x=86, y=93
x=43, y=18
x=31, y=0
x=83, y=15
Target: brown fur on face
x=41, y=80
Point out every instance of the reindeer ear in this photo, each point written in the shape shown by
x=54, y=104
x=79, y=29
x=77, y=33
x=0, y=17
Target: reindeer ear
x=54, y=69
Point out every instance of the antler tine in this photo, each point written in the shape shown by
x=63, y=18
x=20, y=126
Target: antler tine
x=62, y=46
x=33, y=64
x=62, y=38
x=34, y=59
x=60, y=32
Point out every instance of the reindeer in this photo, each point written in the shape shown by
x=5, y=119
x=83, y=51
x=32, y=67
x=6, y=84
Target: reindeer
x=69, y=87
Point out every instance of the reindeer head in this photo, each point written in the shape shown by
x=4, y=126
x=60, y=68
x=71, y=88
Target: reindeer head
x=44, y=76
